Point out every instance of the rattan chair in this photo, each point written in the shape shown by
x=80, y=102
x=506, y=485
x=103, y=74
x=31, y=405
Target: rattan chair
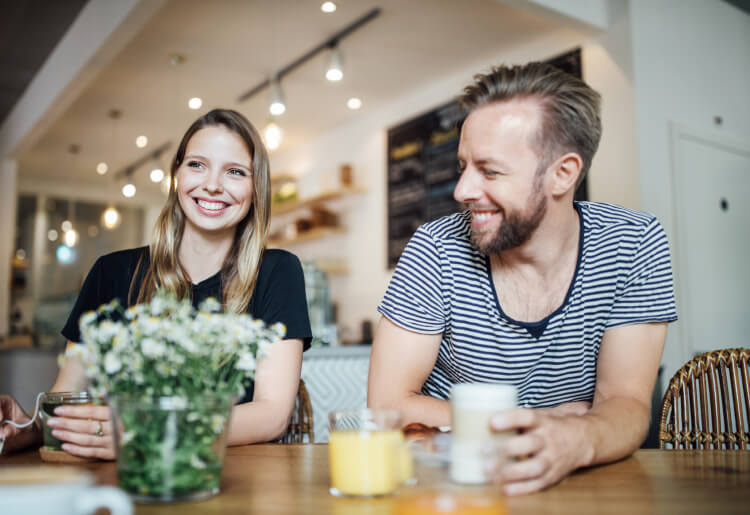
x=300, y=429
x=707, y=403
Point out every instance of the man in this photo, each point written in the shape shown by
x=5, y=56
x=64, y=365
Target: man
x=567, y=301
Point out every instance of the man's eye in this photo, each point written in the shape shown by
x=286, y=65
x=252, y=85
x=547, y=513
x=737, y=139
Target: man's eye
x=460, y=167
x=490, y=174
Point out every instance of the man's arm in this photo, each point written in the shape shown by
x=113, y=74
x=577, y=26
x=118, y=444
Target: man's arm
x=400, y=362
x=613, y=428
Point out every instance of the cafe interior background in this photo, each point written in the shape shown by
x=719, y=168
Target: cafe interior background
x=83, y=82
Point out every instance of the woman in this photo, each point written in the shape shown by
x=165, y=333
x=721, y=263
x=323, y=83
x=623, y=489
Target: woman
x=209, y=241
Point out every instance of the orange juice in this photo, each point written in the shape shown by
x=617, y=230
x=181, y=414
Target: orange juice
x=366, y=463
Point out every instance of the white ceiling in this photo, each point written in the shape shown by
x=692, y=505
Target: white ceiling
x=232, y=45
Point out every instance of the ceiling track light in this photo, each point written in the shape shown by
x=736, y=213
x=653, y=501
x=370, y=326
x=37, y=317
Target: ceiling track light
x=277, y=106
x=151, y=157
x=335, y=70
x=322, y=47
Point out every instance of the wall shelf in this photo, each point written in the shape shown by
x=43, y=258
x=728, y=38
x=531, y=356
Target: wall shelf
x=312, y=234
x=326, y=196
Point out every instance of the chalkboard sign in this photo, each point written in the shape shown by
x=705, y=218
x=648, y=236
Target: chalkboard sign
x=422, y=166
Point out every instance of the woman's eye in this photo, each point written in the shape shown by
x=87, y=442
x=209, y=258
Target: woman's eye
x=237, y=171
x=194, y=164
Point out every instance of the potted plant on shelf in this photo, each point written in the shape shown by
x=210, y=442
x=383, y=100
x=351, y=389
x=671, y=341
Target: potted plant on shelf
x=170, y=374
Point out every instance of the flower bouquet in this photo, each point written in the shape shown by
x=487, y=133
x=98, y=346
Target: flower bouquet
x=170, y=373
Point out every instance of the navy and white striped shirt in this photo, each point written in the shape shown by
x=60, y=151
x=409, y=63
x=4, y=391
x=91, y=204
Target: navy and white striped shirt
x=443, y=284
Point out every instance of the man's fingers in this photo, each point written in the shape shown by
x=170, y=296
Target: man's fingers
x=521, y=446
x=527, y=487
x=524, y=470
x=512, y=419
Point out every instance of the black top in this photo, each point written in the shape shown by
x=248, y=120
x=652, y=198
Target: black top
x=279, y=294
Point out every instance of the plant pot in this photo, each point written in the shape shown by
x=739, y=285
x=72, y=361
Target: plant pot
x=170, y=449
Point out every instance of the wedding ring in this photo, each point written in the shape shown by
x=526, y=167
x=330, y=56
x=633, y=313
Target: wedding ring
x=99, y=431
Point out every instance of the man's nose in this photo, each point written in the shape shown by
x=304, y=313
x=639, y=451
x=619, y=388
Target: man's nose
x=466, y=189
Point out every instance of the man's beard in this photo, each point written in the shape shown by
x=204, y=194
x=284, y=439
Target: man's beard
x=515, y=229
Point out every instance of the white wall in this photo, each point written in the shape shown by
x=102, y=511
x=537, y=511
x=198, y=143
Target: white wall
x=606, y=66
x=691, y=62
x=8, y=199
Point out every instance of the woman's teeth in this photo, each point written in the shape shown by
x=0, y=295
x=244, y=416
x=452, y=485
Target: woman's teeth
x=213, y=206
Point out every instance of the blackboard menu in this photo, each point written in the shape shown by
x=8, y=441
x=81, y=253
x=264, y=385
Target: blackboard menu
x=422, y=166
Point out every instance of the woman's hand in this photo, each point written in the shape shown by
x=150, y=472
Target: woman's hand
x=85, y=431
x=15, y=438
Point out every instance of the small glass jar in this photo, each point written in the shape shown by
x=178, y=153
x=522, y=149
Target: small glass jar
x=52, y=400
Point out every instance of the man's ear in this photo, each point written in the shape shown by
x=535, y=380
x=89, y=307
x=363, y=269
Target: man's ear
x=565, y=172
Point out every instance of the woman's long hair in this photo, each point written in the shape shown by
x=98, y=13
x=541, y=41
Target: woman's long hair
x=240, y=268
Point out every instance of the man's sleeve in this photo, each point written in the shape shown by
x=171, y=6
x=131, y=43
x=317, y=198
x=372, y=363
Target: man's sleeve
x=414, y=298
x=647, y=293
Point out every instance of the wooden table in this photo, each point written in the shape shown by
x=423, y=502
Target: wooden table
x=293, y=479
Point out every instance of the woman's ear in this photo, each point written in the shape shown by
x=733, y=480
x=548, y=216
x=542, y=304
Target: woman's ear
x=565, y=173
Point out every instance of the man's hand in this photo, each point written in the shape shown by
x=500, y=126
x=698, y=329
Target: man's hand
x=15, y=438
x=549, y=446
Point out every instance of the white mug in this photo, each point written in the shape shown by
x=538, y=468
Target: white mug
x=472, y=406
x=53, y=490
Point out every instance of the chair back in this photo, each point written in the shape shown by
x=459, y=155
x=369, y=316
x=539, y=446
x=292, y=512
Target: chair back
x=707, y=403
x=300, y=429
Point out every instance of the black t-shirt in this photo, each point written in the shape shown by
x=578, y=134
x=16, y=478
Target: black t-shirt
x=279, y=294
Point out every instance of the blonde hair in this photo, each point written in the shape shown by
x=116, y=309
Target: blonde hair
x=239, y=271
x=571, y=120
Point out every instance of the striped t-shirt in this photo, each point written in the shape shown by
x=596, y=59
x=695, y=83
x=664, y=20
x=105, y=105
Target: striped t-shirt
x=443, y=284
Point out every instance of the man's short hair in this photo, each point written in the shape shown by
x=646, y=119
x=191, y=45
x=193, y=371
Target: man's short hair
x=571, y=119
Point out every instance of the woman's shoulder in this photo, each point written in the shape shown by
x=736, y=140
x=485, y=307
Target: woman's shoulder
x=127, y=258
x=278, y=262
x=275, y=257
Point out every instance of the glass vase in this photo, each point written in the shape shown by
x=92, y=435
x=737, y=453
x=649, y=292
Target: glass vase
x=170, y=449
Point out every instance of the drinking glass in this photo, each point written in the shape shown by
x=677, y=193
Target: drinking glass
x=367, y=454
x=52, y=400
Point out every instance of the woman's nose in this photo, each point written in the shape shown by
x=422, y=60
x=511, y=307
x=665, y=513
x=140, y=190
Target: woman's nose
x=213, y=183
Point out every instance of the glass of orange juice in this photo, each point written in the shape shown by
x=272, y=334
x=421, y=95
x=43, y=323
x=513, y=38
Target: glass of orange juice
x=367, y=454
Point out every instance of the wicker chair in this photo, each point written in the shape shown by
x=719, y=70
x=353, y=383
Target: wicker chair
x=301, y=423
x=707, y=403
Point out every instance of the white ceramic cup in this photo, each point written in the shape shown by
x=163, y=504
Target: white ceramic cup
x=57, y=490
x=472, y=406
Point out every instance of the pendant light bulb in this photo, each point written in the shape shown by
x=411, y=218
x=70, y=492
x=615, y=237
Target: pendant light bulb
x=335, y=71
x=272, y=135
x=277, y=106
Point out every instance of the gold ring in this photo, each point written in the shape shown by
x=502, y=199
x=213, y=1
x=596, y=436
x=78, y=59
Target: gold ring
x=99, y=431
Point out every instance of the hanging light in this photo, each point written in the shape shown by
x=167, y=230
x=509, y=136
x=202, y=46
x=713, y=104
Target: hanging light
x=52, y=235
x=110, y=218
x=277, y=106
x=102, y=168
x=66, y=225
x=157, y=174
x=70, y=238
x=141, y=141
x=272, y=135
x=335, y=71
x=195, y=103
x=328, y=7
x=354, y=103
x=65, y=254
x=129, y=190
